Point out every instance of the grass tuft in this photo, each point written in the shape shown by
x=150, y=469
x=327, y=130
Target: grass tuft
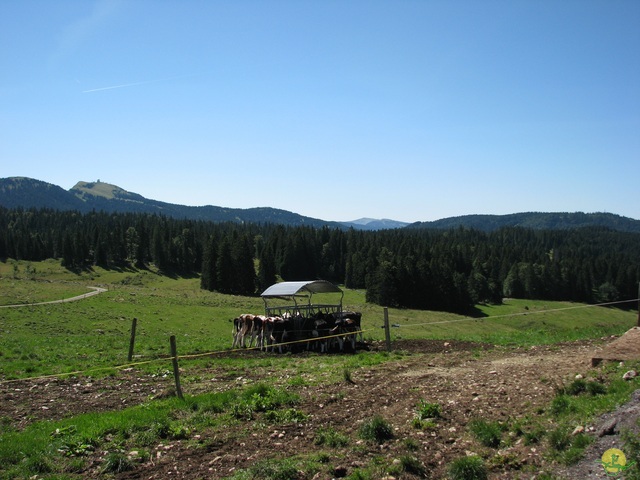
x=377, y=429
x=468, y=468
x=488, y=434
x=331, y=438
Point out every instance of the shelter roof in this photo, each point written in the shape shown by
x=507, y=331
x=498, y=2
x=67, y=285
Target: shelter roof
x=289, y=289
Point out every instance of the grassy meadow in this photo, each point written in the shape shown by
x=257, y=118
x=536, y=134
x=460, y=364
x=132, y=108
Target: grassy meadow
x=90, y=337
x=94, y=333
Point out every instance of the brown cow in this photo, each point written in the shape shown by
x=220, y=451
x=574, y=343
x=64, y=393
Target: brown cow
x=242, y=326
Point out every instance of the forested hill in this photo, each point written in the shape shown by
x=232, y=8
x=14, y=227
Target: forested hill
x=450, y=270
x=22, y=192
x=535, y=221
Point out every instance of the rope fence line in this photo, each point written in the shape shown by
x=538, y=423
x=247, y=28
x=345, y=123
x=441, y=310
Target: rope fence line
x=168, y=358
x=305, y=341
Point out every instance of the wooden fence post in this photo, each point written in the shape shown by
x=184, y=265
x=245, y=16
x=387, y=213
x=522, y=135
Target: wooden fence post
x=176, y=370
x=132, y=340
x=387, y=333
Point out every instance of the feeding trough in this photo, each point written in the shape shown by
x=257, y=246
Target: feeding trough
x=302, y=303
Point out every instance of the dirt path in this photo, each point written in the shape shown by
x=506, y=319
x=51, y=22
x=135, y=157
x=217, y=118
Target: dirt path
x=96, y=291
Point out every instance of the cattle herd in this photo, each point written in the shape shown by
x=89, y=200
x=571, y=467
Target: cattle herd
x=321, y=332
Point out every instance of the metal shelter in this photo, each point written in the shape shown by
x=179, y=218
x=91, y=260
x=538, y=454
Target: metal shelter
x=295, y=298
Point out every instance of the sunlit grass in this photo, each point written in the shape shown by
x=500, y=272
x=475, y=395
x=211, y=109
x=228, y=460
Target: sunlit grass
x=95, y=332
x=92, y=336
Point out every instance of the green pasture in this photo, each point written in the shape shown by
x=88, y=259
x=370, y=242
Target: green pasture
x=94, y=333
x=91, y=337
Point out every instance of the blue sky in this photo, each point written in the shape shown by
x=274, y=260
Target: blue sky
x=409, y=110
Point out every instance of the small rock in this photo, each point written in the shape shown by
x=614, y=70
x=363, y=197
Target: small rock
x=578, y=377
x=577, y=430
x=609, y=428
x=630, y=375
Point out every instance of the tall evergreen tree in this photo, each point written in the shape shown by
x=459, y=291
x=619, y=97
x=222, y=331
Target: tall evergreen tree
x=244, y=272
x=208, y=275
x=266, y=269
x=225, y=268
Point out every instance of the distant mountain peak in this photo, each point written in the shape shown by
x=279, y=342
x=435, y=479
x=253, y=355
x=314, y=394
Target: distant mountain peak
x=104, y=190
x=24, y=192
x=374, y=224
x=362, y=221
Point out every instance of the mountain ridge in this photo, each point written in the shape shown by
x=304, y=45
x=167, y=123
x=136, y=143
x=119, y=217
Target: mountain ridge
x=24, y=192
x=535, y=220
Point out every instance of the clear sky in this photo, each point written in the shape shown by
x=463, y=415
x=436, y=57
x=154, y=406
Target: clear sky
x=334, y=109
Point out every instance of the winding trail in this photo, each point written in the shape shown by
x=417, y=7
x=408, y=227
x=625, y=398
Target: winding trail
x=96, y=291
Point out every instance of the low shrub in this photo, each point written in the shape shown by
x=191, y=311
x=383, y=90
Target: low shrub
x=116, y=462
x=559, y=439
x=331, y=438
x=596, y=388
x=576, y=387
x=411, y=464
x=534, y=435
x=273, y=469
x=376, y=430
x=560, y=404
x=468, y=468
x=428, y=410
x=580, y=386
x=488, y=434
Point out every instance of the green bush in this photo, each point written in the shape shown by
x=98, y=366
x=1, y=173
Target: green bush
x=576, y=387
x=331, y=438
x=534, y=436
x=411, y=464
x=560, y=404
x=116, y=462
x=289, y=415
x=376, y=430
x=488, y=434
x=560, y=439
x=278, y=469
x=580, y=386
x=428, y=410
x=596, y=388
x=468, y=468
x=423, y=424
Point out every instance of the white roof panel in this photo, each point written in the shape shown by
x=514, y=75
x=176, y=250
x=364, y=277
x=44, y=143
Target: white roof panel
x=284, y=289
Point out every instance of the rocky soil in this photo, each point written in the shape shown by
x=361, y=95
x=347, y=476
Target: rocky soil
x=469, y=381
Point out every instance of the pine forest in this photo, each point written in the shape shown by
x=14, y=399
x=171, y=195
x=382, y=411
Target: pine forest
x=448, y=270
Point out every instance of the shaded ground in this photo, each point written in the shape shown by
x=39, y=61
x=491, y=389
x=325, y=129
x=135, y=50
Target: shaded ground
x=496, y=384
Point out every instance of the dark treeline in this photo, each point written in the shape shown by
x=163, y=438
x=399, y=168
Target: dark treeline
x=414, y=268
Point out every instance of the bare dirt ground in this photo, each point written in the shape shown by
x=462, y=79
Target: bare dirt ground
x=498, y=383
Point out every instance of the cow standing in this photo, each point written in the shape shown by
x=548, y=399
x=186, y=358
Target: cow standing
x=242, y=326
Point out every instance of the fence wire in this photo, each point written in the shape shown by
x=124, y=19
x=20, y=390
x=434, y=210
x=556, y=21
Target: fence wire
x=305, y=341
